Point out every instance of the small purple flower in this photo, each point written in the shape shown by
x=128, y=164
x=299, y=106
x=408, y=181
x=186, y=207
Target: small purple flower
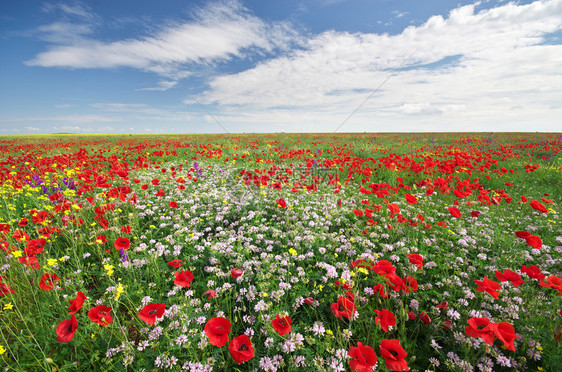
x=123, y=255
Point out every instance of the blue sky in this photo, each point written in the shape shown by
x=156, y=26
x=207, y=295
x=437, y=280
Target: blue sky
x=273, y=66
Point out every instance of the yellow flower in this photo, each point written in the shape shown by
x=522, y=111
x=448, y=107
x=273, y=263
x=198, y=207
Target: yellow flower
x=2, y=350
x=52, y=261
x=293, y=252
x=8, y=306
x=363, y=270
x=119, y=291
x=329, y=331
x=17, y=254
x=109, y=269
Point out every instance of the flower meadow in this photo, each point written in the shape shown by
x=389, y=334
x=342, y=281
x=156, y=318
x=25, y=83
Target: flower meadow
x=281, y=252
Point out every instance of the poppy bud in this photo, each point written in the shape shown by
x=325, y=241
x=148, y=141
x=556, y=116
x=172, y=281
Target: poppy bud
x=236, y=273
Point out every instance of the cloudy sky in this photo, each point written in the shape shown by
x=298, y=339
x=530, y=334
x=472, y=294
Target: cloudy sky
x=191, y=66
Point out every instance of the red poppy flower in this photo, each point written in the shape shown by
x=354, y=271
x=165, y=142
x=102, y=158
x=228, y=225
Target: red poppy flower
x=394, y=282
x=505, y=333
x=77, y=303
x=425, y=318
x=217, y=330
x=475, y=214
x=173, y=204
x=66, y=329
x=175, y=263
x=23, y=222
x=534, y=241
x=363, y=358
x=455, y=212
x=538, y=206
x=308, y=301
x=122, y=243
x=385, y=318
x=442, y=305
x=155, y=182
x=47, y=281
x=383, y=267
x=32, y=261
x=509, y=276
x=522, y=234
x=241, y=349
x=523, y=199
x=394, y=209
x=126, y=229
x=210, y=294
x=101, y=239
x=20, y=235
x=553, y=282
x=416, y=259
x=236, y=273
x=150, y=312
x=488, y=286
x=344, y=306
x=359, y=263
x=358, y=213
x=281, y=203
x=100, y=314
x=409, y=284
x=339, y=284
x=34, y=247
x=480, y=327
x=379, y=288
x=282, y=324
x=5, y=289
x=533, y=272
x=411, y=199
x=412, y=315
x=183, y=279
x=394, y=355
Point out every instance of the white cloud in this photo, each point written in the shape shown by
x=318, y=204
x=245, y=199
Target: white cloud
x=219, y=31
x=162, y=85
x=75, y=10
x=64, y=32
x=68, y=128
x=399, y=14
x=499, y=63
